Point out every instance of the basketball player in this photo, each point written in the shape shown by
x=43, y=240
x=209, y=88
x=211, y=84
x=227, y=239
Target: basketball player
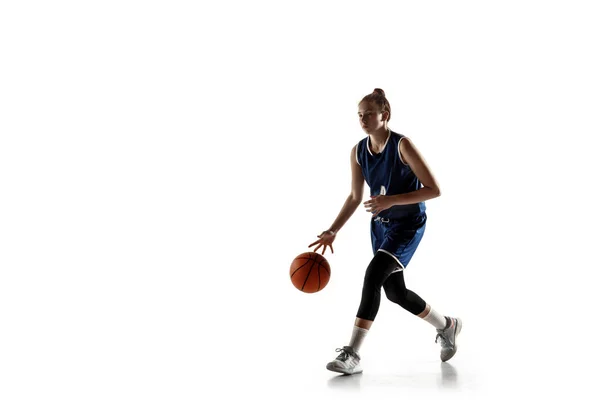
x=400, y=182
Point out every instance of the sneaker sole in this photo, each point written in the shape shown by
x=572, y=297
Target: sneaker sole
x=343, y=371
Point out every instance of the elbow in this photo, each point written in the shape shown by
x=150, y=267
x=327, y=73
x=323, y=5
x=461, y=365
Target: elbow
x=354, y=198
x=436, y=192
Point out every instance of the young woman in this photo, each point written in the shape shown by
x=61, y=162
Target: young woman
x=400, y=183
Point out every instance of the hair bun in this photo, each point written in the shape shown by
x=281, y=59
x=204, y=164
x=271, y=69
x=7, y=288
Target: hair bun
x=380, y=91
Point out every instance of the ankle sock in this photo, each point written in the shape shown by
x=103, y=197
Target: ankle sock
x=358, y=335
x=436, y=319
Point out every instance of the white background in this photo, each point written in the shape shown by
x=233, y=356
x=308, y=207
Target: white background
x=161, y=164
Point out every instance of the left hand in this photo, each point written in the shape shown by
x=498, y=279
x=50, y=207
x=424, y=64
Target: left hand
x=377, y=204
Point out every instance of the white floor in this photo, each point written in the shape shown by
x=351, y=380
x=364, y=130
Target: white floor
x=499, y=356
x=405, y=370
x=144, y=331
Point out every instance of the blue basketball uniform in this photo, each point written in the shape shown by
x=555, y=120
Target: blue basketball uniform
x=398, y=230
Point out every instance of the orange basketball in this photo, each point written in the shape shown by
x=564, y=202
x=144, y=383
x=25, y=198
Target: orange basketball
x=310, y=272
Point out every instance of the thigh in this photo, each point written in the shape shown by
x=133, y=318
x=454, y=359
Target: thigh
x=377, y=235
x=402, y=239
x=380, y=268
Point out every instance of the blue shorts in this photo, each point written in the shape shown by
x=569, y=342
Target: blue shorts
x=398, y=237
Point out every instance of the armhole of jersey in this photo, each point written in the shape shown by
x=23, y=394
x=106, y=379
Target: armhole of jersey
x=399, y=153
x=356, y=152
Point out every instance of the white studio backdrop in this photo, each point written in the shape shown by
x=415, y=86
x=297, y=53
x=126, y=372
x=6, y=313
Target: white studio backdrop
x=162, y=163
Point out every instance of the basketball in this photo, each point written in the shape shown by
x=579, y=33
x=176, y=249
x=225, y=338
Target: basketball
x=310, y=272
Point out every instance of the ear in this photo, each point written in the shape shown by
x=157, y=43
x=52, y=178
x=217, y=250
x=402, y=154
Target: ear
x=385, y=116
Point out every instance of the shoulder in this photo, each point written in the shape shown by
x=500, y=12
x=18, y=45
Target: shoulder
x=361, y=145
x=405, y=145
x=409, y=152
x=354, y=154
x=361, y=150
x=396, y=135
x=362, y=141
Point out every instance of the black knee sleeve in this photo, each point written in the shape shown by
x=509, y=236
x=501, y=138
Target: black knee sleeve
x=396, y=291
x=379, y=269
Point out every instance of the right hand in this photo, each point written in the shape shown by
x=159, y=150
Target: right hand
x=325, y=239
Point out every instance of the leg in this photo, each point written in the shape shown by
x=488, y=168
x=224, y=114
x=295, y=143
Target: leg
x=378, y=271
x=380, y=267
x=396, y=291
x=447, y=328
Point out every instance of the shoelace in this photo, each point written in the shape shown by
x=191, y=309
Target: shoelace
x=343, y=355
x=443, y=339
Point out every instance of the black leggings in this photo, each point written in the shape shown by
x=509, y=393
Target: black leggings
x=379, y=273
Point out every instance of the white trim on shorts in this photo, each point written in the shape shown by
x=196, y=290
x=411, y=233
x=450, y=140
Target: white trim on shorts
x=401, y=267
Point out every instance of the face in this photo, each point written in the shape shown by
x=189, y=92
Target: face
x=370, y=117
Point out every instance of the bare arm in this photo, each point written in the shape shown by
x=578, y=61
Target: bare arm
x=416, y=162
x=350, y=205
x=355, y=197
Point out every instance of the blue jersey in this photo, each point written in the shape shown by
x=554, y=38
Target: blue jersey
x=387, y=174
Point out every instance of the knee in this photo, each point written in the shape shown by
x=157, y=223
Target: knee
x=370, y=289
x=377, y=271
x=396, y=296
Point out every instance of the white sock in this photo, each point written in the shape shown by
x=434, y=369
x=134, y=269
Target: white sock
x=358, y=335
x=436, y=319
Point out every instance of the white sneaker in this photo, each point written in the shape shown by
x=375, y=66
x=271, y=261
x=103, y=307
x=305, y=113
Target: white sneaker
x=348, y=362
x=447, y=338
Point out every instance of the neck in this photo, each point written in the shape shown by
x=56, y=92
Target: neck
x=379, y=136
